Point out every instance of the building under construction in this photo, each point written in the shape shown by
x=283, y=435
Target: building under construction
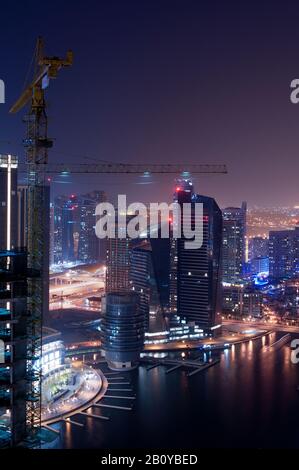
x=17, y=382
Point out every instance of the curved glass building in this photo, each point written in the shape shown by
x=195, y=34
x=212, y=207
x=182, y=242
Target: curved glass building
x=122, y=327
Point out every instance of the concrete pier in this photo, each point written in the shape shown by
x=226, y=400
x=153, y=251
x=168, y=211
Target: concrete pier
x=116, y=407
x=119, y=383
x=89, y=415
x=202, y=368
x=120, y=389
x=116, y=378
x=119, y=397
x=50, y=428
x=173, y=368
x=68, y=420
x=153, y=365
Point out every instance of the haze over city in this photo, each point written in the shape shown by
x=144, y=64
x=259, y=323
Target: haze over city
x=163, y=81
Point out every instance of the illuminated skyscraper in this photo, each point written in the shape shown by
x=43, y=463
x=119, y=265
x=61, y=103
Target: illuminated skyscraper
x=22, y=233
x=233, y=251
x=91, y=248
x=258, y=247
x=13, y=335
x=122, y=329
x=259, y=265
x=284, y=253
x=66, y=228
x=8, y=202
x=118, y=261
x=198, y=270
x=74, y=228
x=52, y=231
x=149, y=277
x=241, y=299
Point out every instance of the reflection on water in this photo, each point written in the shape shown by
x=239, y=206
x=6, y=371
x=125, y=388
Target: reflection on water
x=68, y=435
x=248, y=400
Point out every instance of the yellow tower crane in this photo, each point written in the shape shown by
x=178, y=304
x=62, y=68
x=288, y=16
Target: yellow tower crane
x=36, y=145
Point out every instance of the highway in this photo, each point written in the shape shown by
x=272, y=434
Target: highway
x=71, y=288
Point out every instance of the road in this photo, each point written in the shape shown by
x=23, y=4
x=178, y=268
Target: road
x=71, y=289
x=262, y=324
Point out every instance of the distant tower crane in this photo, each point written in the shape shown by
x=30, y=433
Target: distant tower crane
x=36, y=145
x=146, y=169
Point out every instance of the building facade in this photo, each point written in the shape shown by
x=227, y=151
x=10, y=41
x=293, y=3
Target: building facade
x=13, y=337
x=197, y=276
x=122, y=330
x=258, y=247
x=8, y=202
x=149, y=277
x=233, y=251
x=242, y=300
x=75, y=239
x=284, y=253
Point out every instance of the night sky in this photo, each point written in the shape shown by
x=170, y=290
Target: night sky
x=165, y=81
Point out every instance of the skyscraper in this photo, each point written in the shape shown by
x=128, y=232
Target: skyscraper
x=52, y=233
x=284, y=253
x=259, y=265
x=149, y=277
x=258, y=247
x=242, y=300
x=67, y=228
x=57, y=251
x=160, y=248
x=22, y=234
x=70, y=229
x=91, y=248
x=46, y=249
x=118, y=260
x=8, y=202
x=142, y=279
x=13, y=335
x=233, y=251
x=74, y=228
x=198, y=271
x=122, y=329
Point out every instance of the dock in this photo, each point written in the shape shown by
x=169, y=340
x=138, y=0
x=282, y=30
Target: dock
x=119, y=397
x=179, y=363
x=204, y=367
x=89, y=415
x=69, y=420
x=277, y=344
x=116, y=407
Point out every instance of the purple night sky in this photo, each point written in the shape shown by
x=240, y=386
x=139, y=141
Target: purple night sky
x=165, y=81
